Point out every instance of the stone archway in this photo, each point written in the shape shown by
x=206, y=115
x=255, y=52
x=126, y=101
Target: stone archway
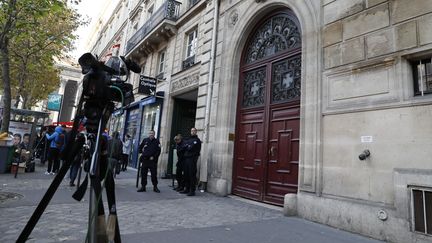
x=245, y=17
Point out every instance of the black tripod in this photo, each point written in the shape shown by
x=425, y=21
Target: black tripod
x=98, y=231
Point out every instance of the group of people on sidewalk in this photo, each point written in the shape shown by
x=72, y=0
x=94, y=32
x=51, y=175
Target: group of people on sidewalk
x=118, y=151
x=188, y=152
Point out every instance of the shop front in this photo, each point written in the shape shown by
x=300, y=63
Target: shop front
x=137, y=120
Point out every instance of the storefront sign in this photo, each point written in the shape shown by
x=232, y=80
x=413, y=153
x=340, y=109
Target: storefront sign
x=147, y=85
x=54, y=102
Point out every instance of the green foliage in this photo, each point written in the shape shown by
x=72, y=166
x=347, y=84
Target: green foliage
x=43, y=31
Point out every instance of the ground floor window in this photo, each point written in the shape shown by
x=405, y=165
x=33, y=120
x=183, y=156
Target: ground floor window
x=422, y=209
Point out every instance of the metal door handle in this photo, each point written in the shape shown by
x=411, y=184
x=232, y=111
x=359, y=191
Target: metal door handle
x=271, y=151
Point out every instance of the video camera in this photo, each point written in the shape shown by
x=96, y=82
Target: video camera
x=101, y=79
x=105, y=82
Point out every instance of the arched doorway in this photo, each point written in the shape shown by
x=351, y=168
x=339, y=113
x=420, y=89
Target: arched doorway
x=268, y=110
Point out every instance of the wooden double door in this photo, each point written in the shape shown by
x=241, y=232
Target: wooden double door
x=266, y=156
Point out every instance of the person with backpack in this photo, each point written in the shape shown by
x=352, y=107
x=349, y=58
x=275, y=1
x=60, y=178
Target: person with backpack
x=57, y=144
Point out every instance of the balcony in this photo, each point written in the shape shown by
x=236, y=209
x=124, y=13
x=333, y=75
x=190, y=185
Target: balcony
x=160, y=26
x=189, y=62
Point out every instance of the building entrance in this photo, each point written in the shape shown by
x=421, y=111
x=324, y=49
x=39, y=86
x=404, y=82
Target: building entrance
x=268, y=111
x=183, y=121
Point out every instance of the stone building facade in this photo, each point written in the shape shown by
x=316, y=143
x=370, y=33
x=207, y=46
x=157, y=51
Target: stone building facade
x=70, y=87
x=286, y=94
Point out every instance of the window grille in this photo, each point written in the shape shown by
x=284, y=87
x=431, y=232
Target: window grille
x=421, y=204
x=422, y=70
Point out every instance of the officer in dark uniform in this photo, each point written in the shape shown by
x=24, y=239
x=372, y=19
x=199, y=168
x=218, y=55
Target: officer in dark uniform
x=150, y=149
x=193, y=149
x=180, y=148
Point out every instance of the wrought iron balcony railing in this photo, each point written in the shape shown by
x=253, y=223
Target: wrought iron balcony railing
x=170, y=10
x=192, y=3
x=188, y=62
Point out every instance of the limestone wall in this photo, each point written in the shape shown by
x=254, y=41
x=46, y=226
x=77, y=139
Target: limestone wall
x=368, y=90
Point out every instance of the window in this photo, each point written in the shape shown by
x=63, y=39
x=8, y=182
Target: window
x=422, y=70
x=161, y=64
x=143, y=68
x=422, y=210
x=192, y=39
x=135, y=27
x=192, y=3
x=191, y=43
x=150, y=11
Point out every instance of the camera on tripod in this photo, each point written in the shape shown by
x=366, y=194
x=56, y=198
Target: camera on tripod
x=103, y=83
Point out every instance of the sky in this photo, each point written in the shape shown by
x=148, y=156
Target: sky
x=89, y=9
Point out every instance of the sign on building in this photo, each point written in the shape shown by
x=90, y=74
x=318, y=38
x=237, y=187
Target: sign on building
x=54, y=102
x=147, y=85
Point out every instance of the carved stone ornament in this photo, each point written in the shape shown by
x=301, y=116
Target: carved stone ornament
x=233, y=17
x=185, y=82
x=277, y=34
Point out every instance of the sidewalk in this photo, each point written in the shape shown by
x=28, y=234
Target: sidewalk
x=153, y=217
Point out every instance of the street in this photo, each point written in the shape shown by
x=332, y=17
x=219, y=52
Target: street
x=152, y=217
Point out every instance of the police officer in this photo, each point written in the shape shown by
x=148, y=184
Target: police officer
x=150, y=149
x=192, y=152
x=180, y=148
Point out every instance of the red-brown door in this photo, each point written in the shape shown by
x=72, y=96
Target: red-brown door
x=268, y=117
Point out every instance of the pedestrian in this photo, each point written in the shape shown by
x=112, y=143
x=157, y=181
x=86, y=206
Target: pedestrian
x=115, y=148
x=76, y=162
x=16, y=148
x=127, y=147
x=46, y=145
x=192, y=152
x=56, y=145
x=180, y=149
x=150, y=149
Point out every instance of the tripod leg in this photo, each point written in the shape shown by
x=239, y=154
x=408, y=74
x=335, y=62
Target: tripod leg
x=44, y=201
x=79, y=176
x=113, y=229
x=138, y=173
x=97, y=226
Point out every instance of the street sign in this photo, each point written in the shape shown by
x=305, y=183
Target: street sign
x=54, y=102
x=147, y=85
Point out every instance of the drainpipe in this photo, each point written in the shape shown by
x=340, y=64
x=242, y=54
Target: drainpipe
x=203, y=176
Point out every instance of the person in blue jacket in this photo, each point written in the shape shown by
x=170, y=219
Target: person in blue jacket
x=57, y=142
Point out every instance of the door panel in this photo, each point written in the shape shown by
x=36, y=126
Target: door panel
x=282, y=167
x=249, y=155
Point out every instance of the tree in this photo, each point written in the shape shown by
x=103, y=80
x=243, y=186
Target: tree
x=49, y=35
x=41, y=31
x=8, y=16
